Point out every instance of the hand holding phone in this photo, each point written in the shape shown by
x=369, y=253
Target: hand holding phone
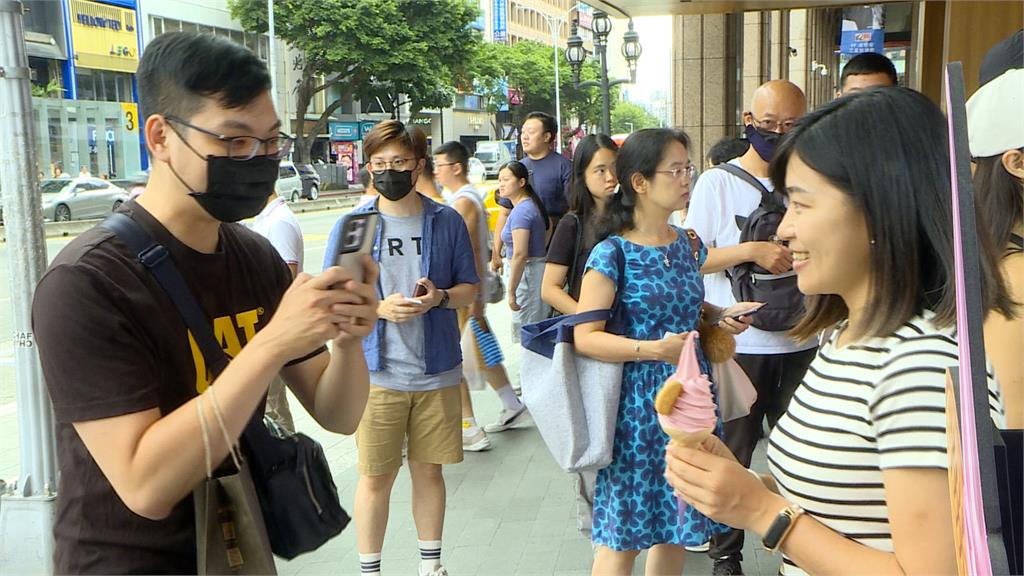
x=739, y=310
x=355, y=241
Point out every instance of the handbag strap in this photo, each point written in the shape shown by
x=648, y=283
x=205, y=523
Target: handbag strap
x=766, y=195
x=571, y=273
x=157, y=259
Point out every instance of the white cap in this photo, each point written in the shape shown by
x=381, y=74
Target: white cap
x=995, y=115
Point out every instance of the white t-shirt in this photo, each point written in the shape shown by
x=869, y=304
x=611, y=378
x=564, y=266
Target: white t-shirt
x=483, y=237
x=871, y=406
x=718, y=198
x=278, y=224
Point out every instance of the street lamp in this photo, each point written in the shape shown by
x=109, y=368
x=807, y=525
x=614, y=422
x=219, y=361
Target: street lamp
x=575, y=53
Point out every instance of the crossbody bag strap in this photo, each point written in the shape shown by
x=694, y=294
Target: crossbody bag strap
x=573, y=279
x=766, y=194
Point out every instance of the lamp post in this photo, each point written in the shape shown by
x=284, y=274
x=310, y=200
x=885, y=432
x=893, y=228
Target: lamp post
x=575, y=53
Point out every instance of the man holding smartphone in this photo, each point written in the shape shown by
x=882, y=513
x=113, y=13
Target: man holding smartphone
x=121, y=367
x=414, y=357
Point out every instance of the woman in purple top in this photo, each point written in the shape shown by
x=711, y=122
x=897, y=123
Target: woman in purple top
x=523, y=236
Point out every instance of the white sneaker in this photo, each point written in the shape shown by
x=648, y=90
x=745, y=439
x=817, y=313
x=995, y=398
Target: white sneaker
x=437, y=571
x=699, y=547
x=477, y=442
x=508, y=419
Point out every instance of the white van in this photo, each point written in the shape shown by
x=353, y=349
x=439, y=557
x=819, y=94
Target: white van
x=494, y=154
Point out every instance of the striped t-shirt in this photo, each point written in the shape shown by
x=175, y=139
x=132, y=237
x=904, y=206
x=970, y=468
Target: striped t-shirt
x=870, y=406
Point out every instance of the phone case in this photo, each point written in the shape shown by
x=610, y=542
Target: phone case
x=357, y=235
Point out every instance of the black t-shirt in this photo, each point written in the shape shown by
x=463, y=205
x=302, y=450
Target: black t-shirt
x=111, y=343
x=562, y=246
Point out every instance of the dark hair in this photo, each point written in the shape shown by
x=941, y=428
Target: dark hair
x=364, y=177
x=726, y=149
x=455, y=152
x=886, y=148
x=428, y=166
x=547, y=121
x=394, y=132
x=1000, y=198
x=581, y=201
x=179, y=69
x=640, y=154
x=520, y=171
x=869, y=63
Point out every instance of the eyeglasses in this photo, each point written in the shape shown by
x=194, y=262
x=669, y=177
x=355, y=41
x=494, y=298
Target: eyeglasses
x=690, y=171
x=773, y=125
x=399, y=164
x=443, y=164
x=241, y=148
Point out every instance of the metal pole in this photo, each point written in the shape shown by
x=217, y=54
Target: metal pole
x=27, y=514
x=272, y=55
x=606, y=118
x=558, y=88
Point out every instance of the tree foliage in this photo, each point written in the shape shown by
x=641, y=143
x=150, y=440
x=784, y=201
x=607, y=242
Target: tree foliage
x=407, y=51
x=528, y=67
x=629, y=117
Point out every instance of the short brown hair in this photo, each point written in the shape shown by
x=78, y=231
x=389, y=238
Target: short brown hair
x=394, y=132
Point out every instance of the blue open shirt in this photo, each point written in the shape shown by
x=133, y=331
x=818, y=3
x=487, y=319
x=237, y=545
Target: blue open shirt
x=447, y=262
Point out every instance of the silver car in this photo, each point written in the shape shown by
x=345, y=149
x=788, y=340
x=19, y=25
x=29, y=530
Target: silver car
x=80, y=198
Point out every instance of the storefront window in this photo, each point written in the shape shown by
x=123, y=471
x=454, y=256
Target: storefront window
x=102, y=136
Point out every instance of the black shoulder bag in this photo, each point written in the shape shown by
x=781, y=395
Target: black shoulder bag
x=293, y=481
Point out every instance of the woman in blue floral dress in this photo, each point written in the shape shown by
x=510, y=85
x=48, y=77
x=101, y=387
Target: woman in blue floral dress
x=662, y=293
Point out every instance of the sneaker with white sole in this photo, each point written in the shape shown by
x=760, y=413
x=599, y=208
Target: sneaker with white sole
x=437, y=571
x=508, y=419
x=699, y=547
x=477, y=442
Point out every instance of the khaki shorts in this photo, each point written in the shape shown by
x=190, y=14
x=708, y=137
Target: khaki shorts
x=432, y=422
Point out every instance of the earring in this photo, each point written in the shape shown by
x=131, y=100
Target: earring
x=872, y=242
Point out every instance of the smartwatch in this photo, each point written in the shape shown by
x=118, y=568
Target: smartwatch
x=444, y=299
x=780, y=527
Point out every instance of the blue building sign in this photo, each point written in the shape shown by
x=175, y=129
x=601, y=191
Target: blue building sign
x=365, y=127
x=344, y=131
x=500, y=21
x=861, y=41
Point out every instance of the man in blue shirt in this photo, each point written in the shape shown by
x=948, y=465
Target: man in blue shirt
x=413, y=354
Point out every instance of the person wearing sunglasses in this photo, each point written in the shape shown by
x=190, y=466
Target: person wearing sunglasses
x=125, y=374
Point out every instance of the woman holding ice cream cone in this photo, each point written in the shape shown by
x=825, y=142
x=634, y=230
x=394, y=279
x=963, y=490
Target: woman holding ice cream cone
x=662, y=293
x=859, y=461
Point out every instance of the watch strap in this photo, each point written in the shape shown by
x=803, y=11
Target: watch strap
x=780, y=527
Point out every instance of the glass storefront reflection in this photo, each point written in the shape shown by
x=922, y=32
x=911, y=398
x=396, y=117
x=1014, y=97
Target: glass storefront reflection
x=101, y=137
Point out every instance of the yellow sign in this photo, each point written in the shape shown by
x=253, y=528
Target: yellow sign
x=131, y=116
x=104, y=36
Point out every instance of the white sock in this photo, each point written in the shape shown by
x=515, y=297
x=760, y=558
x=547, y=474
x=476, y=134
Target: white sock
x=430, y=555
x=369, y=564
x=509, y=400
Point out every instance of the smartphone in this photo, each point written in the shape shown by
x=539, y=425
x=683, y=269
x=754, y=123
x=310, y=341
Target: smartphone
x=357, y=234
x=419, y=290
x=754, y=309
x=414, y=301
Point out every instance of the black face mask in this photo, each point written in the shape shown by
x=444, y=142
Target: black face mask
x=235, y=189
x=763, y=141
x=392, y=184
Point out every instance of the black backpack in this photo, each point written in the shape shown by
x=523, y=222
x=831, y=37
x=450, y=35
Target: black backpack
x=784, y=304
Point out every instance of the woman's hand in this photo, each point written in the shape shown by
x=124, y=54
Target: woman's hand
x=720, y=488
x=670, y=347
x=496, y=264
x=512, y=304
x=735, y=326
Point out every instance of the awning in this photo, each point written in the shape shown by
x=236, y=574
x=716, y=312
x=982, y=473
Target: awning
x=43, y=46
x=633, y=8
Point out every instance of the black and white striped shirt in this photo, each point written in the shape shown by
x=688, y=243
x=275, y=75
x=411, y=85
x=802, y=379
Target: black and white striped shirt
x=870, y=406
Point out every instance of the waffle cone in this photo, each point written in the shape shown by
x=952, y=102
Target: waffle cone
x=688, y=439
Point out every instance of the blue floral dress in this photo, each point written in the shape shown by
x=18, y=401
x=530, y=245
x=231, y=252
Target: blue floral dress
x=634, y=506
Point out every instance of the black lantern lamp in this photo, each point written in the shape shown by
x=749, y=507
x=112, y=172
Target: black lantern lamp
x=602, y=27
x=575, y=53
x=631, y=49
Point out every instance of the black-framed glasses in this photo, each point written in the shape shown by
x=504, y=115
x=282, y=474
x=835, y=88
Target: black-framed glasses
x=689, y=171
x=773, y=125
x=241, y=148
x=398, y=164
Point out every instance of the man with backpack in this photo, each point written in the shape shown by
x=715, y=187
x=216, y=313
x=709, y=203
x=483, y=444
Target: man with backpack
x=734, y=204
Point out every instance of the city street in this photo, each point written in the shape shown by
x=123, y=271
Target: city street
x=510, y=510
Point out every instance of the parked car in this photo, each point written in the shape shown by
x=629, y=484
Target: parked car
x=134, y=184
x=81, y=198
x=310, y=181
x=477, y=172
x=289, y=183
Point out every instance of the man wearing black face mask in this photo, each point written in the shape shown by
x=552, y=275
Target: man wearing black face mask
x=428, y=271
x=123, y=371
x=720, y=200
